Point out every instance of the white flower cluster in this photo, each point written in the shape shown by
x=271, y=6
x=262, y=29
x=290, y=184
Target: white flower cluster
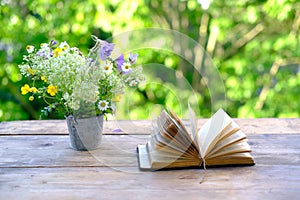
x=65, y=68
x=71, y=79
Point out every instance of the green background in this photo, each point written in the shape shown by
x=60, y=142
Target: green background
x=255, y=45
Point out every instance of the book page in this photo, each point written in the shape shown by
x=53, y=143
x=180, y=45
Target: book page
x=174, y=125
x=178, y=123
x=161, y=159
x=169, y=137
x=233, y=159
x=193, y=122
x=171, y=130
x=234, y=138
x=166, y=151
x=151, y=159
x=212, y=130
x=161, y=142
x=231, y=129
x=158, y=141
x=165, y=137
x=239, y=147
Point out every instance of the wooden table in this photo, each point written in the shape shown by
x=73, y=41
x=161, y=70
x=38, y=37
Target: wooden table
x=36, y=162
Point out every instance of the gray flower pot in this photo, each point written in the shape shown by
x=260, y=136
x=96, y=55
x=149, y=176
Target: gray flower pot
x=85, y=133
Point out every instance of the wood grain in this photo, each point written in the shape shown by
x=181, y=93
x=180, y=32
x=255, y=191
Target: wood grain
x=59, y=127
x=120, y=150
x=36, y=162
x=259, y=182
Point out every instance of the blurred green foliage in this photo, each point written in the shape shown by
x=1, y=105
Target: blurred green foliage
x=254, y=44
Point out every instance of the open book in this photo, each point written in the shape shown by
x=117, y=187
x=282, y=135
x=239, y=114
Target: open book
x=219, y=142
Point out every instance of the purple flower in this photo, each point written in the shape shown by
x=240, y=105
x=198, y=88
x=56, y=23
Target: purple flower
x=42, y=54
x=120, y=61
x=132, y=57
x=117, y=130
x=105, y=49
x=53, y=42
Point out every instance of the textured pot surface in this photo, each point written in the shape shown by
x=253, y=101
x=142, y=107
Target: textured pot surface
x=86, y=133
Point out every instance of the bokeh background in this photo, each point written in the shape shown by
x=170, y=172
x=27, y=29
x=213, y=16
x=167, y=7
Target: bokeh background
x=255, y=45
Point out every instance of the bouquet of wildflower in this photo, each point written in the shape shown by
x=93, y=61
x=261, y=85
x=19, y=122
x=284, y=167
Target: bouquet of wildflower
x=67, y=79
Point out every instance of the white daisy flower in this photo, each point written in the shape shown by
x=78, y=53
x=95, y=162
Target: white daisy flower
x=64, y=45
x=44, y=46
x=107, y=67
x=30, y=48
x=103, y=105
x=126, y=67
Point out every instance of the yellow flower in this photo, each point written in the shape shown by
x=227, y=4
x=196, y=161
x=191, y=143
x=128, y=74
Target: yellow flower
x=117, y=98
x=52, y=90
x=30, y=71
x=43, y=78
x=25, y=89
x=33, y=89
x=57, y=51
x=31, y=98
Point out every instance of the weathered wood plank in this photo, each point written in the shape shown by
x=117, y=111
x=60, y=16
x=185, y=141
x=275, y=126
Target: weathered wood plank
x=59, y=127
x=36, y=162
x=54, y=151
x=259, y=182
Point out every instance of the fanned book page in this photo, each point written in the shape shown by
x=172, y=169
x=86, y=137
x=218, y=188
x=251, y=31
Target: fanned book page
x=218, y=142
